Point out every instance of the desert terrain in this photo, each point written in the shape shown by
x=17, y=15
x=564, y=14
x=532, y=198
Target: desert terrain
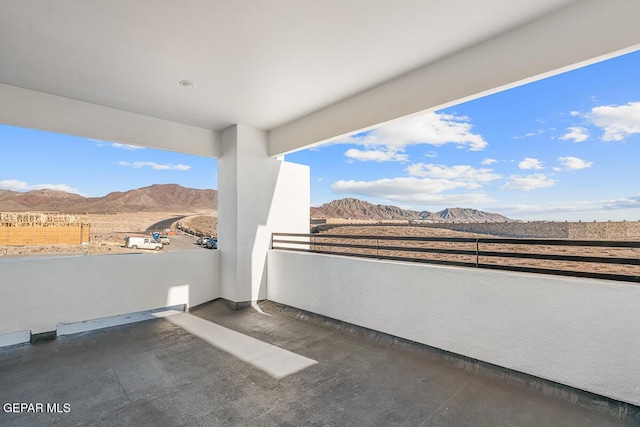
x=175, y=209
x=108, y=232
x=114, y=216
x=633, y=270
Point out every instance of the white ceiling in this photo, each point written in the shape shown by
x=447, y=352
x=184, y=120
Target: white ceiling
x=261, y=63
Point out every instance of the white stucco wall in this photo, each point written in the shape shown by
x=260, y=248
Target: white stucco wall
x=579, y=332
x=257, y=195
x=37, y=294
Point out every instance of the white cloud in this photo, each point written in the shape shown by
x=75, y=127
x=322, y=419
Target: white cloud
x=425, y=185
x=375, y=155
x=529, y=182
x=576, y=133
x=431, y=154
x=431, y=128
x=156, y=166
x=98, y=142
x=126, y=146
x=596, y=209
x=57, y=187
x=618, y=122
x=15, y=185
x=469, y=176
x=629, y=202
x=488, y=161
x=410, y=190
x=574, y=163
x=387, y=187
x=530, y=163
x=530, y=134
x=574, y=113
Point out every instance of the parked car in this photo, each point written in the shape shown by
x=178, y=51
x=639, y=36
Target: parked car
x=164, y=239
x=202, y=240
x=142, y=243
x=212, y=243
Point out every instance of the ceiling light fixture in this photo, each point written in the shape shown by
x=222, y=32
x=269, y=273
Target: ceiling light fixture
x=187, y=83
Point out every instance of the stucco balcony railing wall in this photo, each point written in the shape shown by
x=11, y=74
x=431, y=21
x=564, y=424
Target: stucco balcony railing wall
x=584, y=333
x=39, y=294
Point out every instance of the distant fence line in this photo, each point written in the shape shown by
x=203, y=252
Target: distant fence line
x=550, y=230
x=626, y=230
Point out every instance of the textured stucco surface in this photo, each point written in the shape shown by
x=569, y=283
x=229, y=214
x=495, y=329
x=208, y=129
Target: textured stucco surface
x=578, y=332
x=40, y=293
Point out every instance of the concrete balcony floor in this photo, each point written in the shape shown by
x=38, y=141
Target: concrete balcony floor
x=157, y=373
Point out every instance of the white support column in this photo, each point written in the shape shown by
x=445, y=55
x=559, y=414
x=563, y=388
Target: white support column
x=258, y=195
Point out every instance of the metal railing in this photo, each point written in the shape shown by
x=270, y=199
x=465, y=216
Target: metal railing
x=614, y=260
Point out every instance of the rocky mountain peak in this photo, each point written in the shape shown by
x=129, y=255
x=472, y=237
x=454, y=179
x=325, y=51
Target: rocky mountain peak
x=350, y=208
x=154, y=198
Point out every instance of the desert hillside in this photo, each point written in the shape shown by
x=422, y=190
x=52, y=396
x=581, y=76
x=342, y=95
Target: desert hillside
x=359, y=209
x=175, y=198
x=155, y=198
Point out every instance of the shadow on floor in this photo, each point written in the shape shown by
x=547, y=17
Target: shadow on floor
x=158, y=373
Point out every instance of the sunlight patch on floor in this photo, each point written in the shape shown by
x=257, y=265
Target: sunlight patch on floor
x=269, y=358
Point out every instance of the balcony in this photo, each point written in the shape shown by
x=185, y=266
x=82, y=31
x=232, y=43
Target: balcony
x=158, y=373
x=367, y=341
x=340, y=341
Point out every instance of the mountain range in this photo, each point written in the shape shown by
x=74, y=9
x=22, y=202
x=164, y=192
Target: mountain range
x=359, y=209
x=155, y=198
x=175, y=198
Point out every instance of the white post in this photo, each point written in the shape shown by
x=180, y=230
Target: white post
x=258, y=195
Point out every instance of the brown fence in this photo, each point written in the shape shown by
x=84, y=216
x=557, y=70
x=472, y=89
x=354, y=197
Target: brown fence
x=50, y=234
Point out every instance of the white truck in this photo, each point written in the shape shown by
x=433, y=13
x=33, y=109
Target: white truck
x=142, y=243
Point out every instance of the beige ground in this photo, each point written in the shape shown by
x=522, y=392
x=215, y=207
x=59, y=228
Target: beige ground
x=108, y=232
x=435, y=232
x=201, y=224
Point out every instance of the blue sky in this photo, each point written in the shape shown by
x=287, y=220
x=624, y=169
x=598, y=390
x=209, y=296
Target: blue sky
x=36, y=160
x=564, y=148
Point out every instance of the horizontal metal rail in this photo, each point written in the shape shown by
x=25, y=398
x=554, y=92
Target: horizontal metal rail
x=322, y=244
x=570, y=258
x=496, y=240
